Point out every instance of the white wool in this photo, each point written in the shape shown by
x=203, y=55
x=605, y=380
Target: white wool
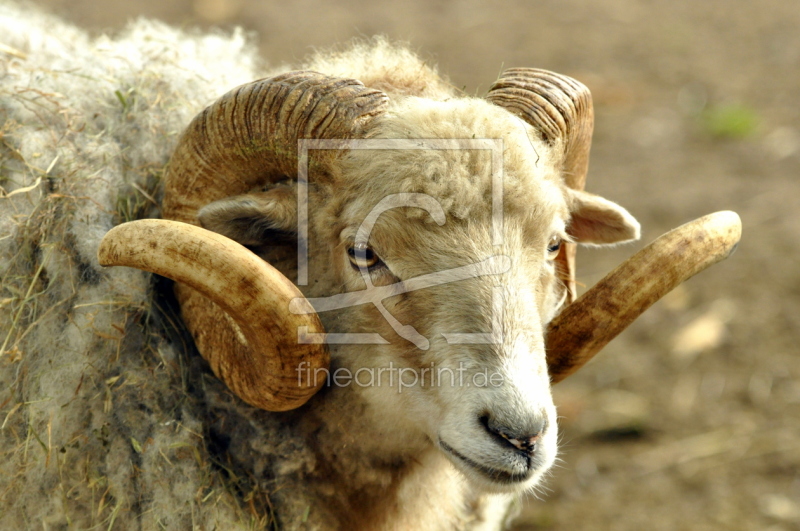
x=99, y=427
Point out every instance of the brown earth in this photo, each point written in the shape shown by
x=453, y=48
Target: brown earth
x=691, y=418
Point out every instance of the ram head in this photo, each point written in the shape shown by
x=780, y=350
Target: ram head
x=430, y=245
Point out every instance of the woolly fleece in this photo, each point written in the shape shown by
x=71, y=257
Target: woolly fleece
x=101, y=418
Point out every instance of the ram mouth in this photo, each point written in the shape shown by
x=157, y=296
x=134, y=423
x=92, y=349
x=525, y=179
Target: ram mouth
x=495, y=475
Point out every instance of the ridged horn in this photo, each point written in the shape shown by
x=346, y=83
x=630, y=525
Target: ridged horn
x=245, y=140
x=588, y=324
x=560, y=108
x=248, y=137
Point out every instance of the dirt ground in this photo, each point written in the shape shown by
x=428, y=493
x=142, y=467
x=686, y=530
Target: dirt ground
x=690, y=420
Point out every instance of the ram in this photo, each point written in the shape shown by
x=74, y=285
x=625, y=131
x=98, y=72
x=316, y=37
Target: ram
x=386, y=317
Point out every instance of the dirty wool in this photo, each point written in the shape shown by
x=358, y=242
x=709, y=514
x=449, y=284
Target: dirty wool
x=107, y=415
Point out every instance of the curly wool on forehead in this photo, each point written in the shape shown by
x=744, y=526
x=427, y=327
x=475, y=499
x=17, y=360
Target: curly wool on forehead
x=460, y=179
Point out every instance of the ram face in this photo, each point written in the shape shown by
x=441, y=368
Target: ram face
x=433, y=249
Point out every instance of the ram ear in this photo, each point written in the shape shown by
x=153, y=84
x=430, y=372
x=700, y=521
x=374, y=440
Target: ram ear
x=598, y=221
x=253, y=219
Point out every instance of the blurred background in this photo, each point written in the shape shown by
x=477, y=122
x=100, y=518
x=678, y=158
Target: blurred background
x=690, y=420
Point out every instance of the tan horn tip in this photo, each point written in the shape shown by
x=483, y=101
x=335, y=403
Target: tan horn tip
x=584, y=327
x=263, y=367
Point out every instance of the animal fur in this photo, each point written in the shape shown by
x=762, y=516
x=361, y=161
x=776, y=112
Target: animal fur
x=102, y=419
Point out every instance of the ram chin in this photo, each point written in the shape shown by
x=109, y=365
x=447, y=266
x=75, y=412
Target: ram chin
x=507, y=472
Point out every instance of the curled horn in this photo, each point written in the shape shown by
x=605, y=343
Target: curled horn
x=235, y=308
x=588, y=324
x=560, y=108
x=253, y=295
x=248, y=137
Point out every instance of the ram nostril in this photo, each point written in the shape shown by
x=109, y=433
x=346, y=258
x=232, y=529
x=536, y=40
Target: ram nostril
x=521, y=438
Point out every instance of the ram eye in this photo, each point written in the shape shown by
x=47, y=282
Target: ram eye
x=363, y=257
x=553, y=247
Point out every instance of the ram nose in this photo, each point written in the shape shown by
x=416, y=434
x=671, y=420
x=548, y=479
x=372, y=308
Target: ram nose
x=522, y=438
